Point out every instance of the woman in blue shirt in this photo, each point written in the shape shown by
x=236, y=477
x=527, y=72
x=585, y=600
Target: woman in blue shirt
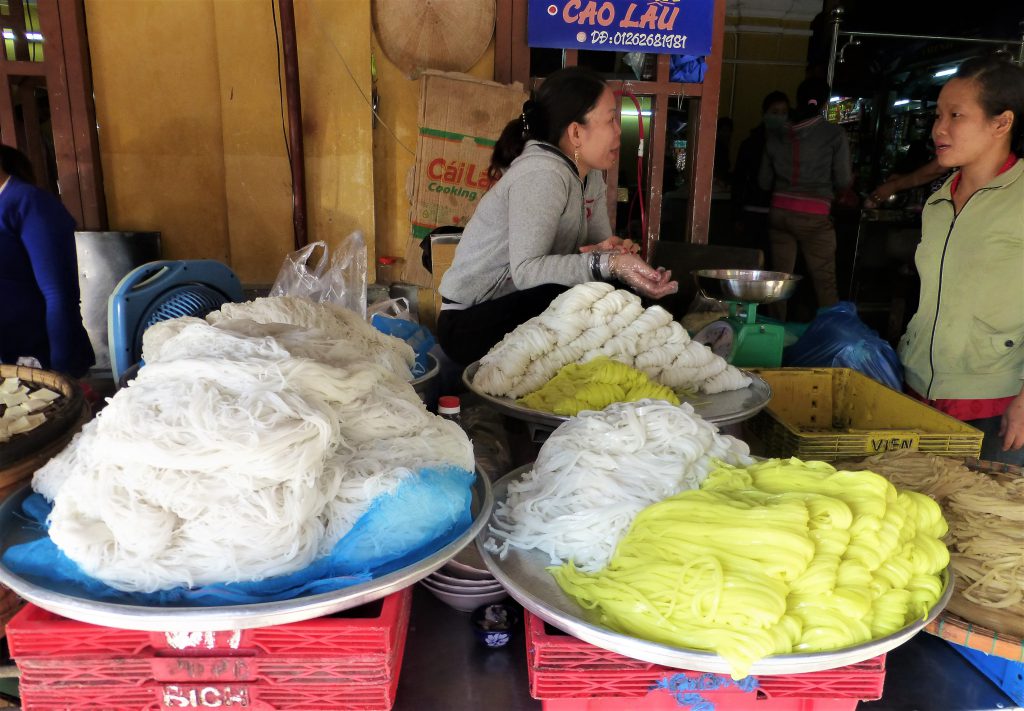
x=40, y=311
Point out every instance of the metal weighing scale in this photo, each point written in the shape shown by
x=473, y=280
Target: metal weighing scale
x=741, y=338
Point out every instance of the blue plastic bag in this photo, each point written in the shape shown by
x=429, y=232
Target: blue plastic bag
x=687, y=68
x=427, y=511
x=417, y=336
x=837, y=338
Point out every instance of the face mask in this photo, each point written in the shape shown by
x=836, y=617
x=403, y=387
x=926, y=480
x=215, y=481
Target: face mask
x=774, y=122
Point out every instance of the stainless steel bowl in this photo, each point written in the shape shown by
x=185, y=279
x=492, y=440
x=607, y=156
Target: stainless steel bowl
x=750, y=285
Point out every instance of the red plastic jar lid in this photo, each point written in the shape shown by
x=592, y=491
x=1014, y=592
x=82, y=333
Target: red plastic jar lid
x=386, y=260
x=448, y=404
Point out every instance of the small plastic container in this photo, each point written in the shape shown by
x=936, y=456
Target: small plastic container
x=495, y=624
x=387, y=270
x=449, y=407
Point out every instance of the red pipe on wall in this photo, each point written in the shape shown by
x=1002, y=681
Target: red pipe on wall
x=298, y=162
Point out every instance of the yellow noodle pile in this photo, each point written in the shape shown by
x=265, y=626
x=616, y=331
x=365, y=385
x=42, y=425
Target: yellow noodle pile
x=593, y=386
x=986, y=522
x=781, y=557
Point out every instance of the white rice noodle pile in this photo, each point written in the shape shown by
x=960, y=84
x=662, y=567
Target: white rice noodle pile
x=339, y=323
x=597, y=471
x=229, y=459
x=596, y=319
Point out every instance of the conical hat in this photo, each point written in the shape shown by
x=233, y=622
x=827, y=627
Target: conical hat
x=450, y=35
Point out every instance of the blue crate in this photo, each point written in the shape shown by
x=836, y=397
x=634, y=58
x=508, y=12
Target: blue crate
x=1006, y=674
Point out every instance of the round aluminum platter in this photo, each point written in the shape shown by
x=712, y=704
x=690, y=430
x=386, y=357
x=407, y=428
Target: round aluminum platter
x=125, y=615
x=721, y=409
x=524, y=575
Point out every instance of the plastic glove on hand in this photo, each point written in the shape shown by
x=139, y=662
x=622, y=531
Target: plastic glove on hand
x=642, y=277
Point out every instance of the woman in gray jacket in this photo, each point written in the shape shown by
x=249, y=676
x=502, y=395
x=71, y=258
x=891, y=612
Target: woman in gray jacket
x=543, y=225
x=805, y=164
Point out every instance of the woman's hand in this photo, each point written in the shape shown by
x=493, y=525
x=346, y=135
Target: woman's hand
x=1012, y=428
x=882, y=193
x=613, y=244
x=642, y=277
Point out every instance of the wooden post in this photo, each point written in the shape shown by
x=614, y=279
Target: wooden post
x=704, y=160
x=293, y=94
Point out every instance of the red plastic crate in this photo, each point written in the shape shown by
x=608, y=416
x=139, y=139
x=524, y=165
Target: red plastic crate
x=563, y=668
x=663, y=701
x=34, y=632
x=252, y=697
x=349, y=661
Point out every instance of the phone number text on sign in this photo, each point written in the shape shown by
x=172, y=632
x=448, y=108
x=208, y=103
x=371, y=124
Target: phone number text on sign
x=649, y=26
x=633, y=39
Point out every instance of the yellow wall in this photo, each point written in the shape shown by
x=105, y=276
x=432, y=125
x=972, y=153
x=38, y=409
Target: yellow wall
x=770, y=60
x=191, y=134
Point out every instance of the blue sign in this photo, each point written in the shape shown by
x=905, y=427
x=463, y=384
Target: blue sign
x=653, y=26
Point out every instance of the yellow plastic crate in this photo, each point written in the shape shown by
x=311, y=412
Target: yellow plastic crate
x=838, y=413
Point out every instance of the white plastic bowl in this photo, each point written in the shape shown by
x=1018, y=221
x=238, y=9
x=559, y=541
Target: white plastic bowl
x=461, y=570
x=463, y=602
x=461, y=589
x=463, y=582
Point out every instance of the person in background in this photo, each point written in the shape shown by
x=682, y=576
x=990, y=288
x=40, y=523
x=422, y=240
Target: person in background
x=543, y=226
x=41, y=317
x=804, y=166
x=963, y=351
x=750, y=200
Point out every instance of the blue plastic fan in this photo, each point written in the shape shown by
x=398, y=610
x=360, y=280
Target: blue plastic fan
x=159, y=291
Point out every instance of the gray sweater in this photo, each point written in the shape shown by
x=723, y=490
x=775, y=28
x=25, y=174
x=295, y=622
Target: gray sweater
x=528, y=229
x=822, y=160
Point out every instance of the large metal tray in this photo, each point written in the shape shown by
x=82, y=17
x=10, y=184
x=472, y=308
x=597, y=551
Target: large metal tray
x=524, y=575
x=721, y=409
x=14, y=530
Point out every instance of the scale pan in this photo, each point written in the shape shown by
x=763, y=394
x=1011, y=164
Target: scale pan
x=748, y=285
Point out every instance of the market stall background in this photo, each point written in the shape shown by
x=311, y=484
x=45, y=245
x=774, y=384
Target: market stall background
x=203, y=158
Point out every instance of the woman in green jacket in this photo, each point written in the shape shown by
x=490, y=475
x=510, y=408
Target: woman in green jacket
x=964, y=348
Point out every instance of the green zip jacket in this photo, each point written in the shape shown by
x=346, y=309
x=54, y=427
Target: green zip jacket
x=966, y=340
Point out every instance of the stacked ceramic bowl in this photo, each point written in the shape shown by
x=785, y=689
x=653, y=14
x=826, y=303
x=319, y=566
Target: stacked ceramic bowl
x=464, y=583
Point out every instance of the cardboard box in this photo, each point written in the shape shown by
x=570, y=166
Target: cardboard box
x=460, y=119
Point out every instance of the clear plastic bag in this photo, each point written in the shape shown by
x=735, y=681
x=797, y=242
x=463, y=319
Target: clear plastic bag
x=392, y=308
x=635, y=61
x=338, y=278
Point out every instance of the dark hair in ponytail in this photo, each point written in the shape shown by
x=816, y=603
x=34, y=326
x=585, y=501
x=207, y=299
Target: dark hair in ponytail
x=565, y=97
x=1001, y=86
x=14, y=162
x=811, y=98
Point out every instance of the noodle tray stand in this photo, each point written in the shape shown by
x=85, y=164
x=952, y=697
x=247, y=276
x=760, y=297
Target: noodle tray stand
x=266, y=656
x=15, y=529
x=720, y=409
x=524, y=576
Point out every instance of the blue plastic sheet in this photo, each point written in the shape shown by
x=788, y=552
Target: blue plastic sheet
x=418, y=337
x=687, y=68
x=837, y=338
x=426, y=512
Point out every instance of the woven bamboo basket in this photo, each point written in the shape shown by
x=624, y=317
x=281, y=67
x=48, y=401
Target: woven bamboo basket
x=24, y=453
